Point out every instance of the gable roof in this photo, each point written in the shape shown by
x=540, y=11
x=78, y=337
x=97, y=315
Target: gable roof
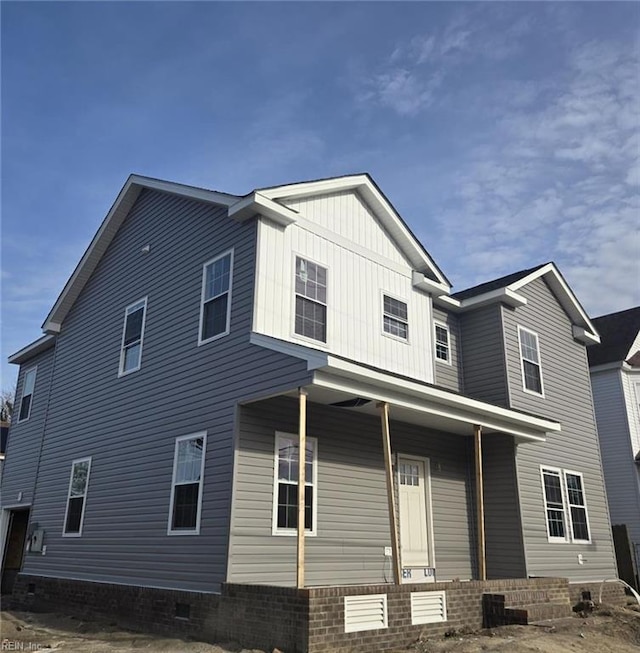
x=505, y=290
x=271, y=198
x=108, y=229
x=618, y=331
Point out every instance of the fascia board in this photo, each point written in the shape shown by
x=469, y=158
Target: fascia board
x=450, y=303
x=354, y=371
x=315, y=359
x=499, y=295
x=434, y=288
x=581, y=334
x=257, y=204
x=32, y=349
x=192, y=192
x=607, y=367
x=321, y=187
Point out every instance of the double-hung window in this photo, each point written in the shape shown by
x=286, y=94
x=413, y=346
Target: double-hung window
x=215, y=304
x=530, y=359
x=311, y=300
x=285, y=492
x=77, y=497
x=132, y=337
x=395, y=319
x=28, y=387
x=443, y=348
x=186, y=487
x=565, y=506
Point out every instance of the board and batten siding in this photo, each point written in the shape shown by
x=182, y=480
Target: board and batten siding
x=128, y=424
x=483, y=359
x=449, y=375
x=25, y=438
x=357, y=279
x=616, y=448
x=567, y=399
x=352, y=522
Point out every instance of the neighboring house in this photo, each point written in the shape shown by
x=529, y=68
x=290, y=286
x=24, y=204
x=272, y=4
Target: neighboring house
x=155, y=443
x=615, y=379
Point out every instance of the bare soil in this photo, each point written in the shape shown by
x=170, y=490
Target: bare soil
x=607, y=630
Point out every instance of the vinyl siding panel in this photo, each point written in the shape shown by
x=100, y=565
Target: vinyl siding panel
x=25, y=438
x=483, y=355
x=353, y=526
x=567, y=399
x=503, y=532
x=449, y=375
x=128, y=425
x=620, y=470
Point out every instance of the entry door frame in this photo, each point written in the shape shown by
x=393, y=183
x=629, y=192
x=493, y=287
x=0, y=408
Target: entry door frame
x=427, y=503
x=5, y=522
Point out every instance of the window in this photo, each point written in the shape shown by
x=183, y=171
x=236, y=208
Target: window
x=76, y=499
x=442, y=343
x=394, y=317
x=186, y=487
x=562, y=489
x=285, y=501
x=132, y=334
x=215, y=308
x=27, y=394
x=530, y=357
x=311, y=300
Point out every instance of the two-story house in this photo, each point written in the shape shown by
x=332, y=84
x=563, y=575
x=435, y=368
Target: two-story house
x=448, y=439
x=615, y=380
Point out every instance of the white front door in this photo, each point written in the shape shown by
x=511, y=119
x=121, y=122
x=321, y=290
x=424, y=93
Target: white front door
x=414, y=511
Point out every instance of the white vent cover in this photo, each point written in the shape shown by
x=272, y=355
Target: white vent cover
x=428, y=607
x=365, y=612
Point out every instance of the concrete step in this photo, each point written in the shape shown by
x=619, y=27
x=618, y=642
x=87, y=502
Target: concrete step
x=527, y=614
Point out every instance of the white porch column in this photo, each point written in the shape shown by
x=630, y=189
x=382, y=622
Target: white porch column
x=482, y=561
x=302, y=455
x=393, y=522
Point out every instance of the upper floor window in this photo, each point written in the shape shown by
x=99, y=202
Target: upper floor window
x=565, y=506
x=27, y=394
x=443, y=348
x=215, y=305
x=285, y=491
x=394, y=317
x=132, y=336
x=530, y=359
x=186, y=486
x=311, y=300
x=76, y=498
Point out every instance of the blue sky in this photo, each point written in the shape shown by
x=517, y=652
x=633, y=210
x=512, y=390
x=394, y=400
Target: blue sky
x=506, y=134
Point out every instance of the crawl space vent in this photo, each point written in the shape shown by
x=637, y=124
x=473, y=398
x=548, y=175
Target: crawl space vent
x=428, y=607
x=365, y=612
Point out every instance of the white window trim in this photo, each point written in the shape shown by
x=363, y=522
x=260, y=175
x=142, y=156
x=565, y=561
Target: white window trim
x=294, y=294
x=444, y=326
x=229, y=252
x=539, y=363
x=121, y=371
x=406, y=340
x=182, y=438
x=566, y=506
x=84, y=498
x=314, y=507
x=33, y=369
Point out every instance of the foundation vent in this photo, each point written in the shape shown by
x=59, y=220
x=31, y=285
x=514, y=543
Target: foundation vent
x=428, y=607
x=365, y=612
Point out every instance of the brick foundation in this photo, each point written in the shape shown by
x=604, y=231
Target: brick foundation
x=295, y=621
x=612, y=593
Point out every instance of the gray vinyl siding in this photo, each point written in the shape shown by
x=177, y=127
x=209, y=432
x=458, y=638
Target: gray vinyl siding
x=128, y=425
x=620, y=470
x=567, y=399
x=503, y=532
x=483, y=355
x=353, y=526
x=25, y=438
x=449, y=375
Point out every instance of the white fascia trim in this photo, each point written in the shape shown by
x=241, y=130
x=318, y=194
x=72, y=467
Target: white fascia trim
x=581, y=334
x=31, y=350
x=256, y=203
x=315, y=359
x=320, y=187
x=192, y=192
x=451, y=304
x=434, y=288
x=502, y=295
x=353, y=371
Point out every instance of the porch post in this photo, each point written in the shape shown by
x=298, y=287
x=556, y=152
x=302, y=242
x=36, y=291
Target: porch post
x=302, y=452
x=482, y=563
x=393, y=524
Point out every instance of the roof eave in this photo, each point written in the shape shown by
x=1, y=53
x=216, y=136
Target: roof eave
x=32, y=349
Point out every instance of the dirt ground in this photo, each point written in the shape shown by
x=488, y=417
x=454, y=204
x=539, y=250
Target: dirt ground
x=607, y=630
